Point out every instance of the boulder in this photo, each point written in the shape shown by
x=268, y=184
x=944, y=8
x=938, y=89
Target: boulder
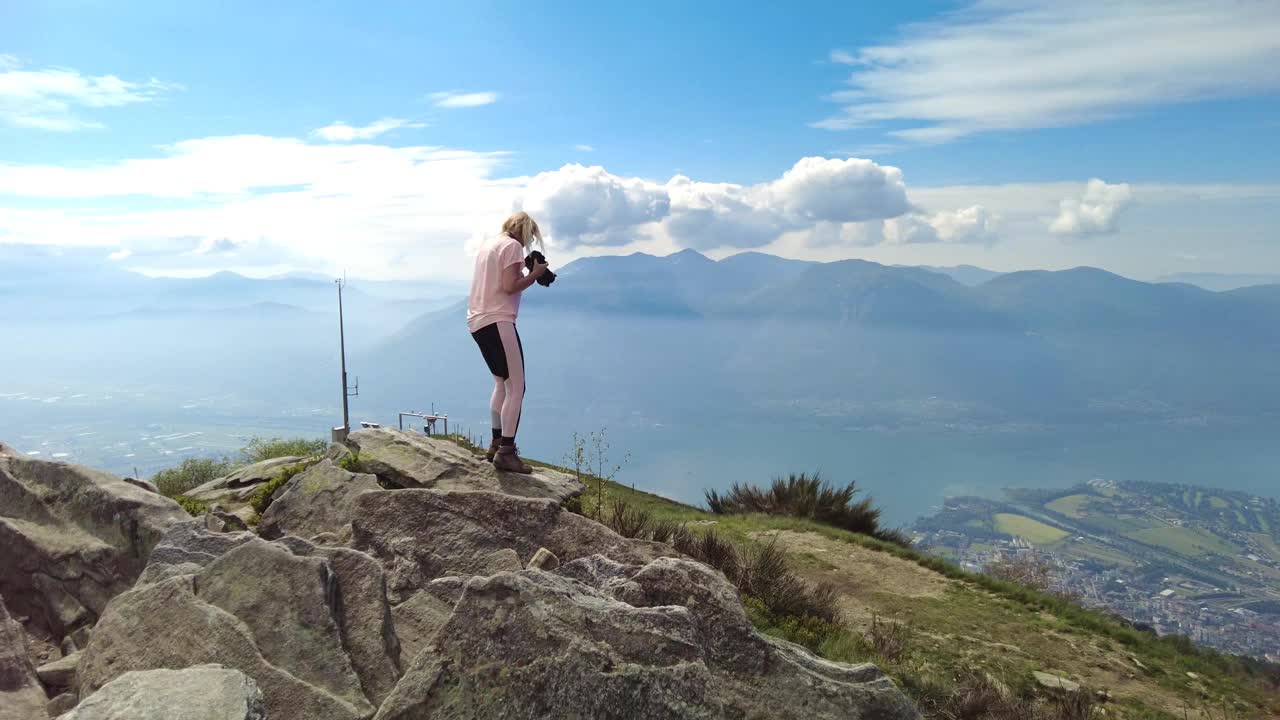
x=534, y=644
x=318, y=500
x=73, y=538
x=417, y=620
x=420, y=535
x=364, y=617
x=1052, y=682
x=187, y=547
x=242, y=483
x=60, y=673
x=209, y=692
x=544, y=559
x=409, y=460
x=21, y=697
x=62, y=704
x=311, y=624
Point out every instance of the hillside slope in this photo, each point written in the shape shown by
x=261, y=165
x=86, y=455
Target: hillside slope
x=959, y=624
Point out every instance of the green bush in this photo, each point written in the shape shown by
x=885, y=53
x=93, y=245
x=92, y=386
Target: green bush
x=351, y=463
x=805, y=496
x=265, y=494
x=191, y=473
x=260, y=449
x=194, y=508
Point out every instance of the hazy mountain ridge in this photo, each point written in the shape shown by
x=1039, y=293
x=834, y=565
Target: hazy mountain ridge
x=854, y=337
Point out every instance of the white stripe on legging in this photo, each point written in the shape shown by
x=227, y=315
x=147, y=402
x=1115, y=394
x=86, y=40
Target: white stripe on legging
x=513, y=385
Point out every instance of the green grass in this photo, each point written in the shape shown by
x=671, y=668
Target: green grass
x=265, y=494
x=1190, y=542
x=194, y=508
x=1218, y=503
x=260, y=449
x=192, y=473
x=1033, y=531
x=1071, y=506
x=977, y=607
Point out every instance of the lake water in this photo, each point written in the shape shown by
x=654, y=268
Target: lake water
x=908, y=472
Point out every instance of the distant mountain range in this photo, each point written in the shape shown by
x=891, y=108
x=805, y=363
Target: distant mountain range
x=857, y=340
x=652, y=337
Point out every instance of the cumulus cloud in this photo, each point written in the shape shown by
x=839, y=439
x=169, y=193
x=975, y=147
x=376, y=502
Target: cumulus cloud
x=48, y=98
x=455, y=99
x=972, y=225
x=1094, y=212
x=381, y=211
x=849, y=190
x=999, y=65
x=588, y=205
x=342, y=132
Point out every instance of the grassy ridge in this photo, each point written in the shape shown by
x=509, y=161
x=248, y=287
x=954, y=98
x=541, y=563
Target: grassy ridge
x=1225, y=686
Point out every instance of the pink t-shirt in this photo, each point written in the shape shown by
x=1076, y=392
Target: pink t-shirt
x=489, y=303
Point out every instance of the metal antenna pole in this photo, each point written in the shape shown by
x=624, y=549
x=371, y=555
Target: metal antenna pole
x=342, y=348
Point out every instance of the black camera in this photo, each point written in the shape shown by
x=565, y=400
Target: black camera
x=546, y=278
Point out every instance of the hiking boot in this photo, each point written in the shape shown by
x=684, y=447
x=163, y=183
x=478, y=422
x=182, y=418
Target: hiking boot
x=493, y=449
x=508, y=459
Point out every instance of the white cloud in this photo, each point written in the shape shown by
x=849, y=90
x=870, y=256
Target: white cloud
x=972, y=225
x=342, y=132
x=587, y=205
x=842, y=57
x=455, y=99
x=47, y=99
x=1093, y=212
x=1014, y=64
x=849, y=190
x=584, y=148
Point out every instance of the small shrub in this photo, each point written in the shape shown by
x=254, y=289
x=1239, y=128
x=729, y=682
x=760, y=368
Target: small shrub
x=971, y=695
x=663, y=530
x=806, y=496
x=265, y=494
x=805, y=630
x=192, y=473
x=708, y=548
x=888, y=639
x=194, y=508
x=351, y=463
x=260, y=449
x=629, y=522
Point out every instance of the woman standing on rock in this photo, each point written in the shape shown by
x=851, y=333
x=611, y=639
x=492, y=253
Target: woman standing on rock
x=491, y=316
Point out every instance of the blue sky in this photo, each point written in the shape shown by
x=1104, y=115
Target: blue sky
x=184, y=138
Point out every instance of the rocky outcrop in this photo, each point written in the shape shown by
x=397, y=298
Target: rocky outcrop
x=420, y=535
x=73, y=538
x=208, y=692
x=243, y=483
x=311, y=625
x=408, y=460
x=21, y=697
x=317, y=500
x=466, y=593
x=534, y=644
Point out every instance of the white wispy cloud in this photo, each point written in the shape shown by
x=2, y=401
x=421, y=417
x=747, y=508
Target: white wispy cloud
x=52, y=98
x=584, y=148
x=1093, y=212
x=1015, y=64
x=455, y=99
x=842, y=57
x=342, y=132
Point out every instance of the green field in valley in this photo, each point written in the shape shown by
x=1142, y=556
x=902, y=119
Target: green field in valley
x=1033, y=531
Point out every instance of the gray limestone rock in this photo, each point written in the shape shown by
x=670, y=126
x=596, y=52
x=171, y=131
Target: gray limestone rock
x=208, y=692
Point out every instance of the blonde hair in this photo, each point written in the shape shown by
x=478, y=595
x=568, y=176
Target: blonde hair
x=523, y=228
